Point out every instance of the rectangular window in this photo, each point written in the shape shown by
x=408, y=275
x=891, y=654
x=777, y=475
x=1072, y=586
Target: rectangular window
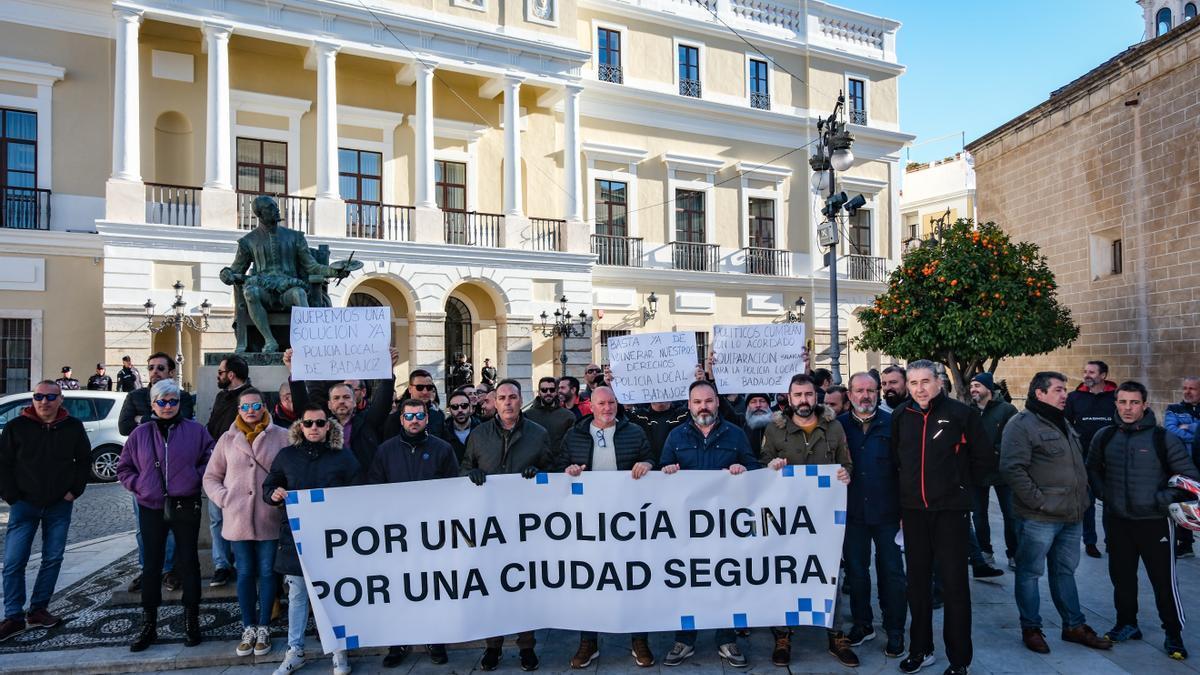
x=611, y=208
x=608, y=51
x=262, y=166
x=22, y=206
x=701, y=347
x=760, y=87
x=858, y=233
x=689, y=216
x=1118, y=257
x=451, y=185
x=856, y=101
x=360, y=178
x=604, y=337
x=689, y=71
x=762, y=223
x=16, y=355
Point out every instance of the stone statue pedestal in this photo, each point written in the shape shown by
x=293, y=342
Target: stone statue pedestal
x=267, y=372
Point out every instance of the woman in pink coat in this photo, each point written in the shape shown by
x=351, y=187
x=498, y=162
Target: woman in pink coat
x=240, y=463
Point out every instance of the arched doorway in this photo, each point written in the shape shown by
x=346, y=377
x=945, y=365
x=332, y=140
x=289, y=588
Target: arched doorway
x=459, y=334
x=385, y=291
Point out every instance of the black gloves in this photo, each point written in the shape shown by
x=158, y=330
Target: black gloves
x=529, y=472
x=477, y=476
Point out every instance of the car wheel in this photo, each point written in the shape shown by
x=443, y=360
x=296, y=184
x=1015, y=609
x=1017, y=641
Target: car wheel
x=104, y=463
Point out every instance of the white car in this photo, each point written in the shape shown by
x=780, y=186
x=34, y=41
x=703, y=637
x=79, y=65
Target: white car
x=98, y=410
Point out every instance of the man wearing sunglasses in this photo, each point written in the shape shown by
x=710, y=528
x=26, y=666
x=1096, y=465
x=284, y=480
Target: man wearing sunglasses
x=44, y=465
x=420, y=388
x=591, y=374
x=413, y=455
x=233, y=378
x=602, y=442
x=460, y=423
x=136, y=408
x=546, y=411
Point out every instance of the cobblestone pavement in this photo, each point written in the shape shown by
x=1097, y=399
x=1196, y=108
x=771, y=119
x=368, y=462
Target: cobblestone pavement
x=104, y=509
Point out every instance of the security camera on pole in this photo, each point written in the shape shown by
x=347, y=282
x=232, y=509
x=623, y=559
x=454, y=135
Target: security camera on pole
x=833, y=154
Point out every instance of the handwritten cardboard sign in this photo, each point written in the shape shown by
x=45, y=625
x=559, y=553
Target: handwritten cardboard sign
x=652, y=366
x=757, y=358
x=337, y=343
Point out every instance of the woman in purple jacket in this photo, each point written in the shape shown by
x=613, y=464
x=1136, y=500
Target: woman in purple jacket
x=163, y=465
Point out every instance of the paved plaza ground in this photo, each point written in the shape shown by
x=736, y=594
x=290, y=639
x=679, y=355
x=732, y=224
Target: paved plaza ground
x=95, y=565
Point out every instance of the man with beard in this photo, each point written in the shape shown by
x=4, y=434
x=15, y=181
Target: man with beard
x=460, y=422
x=421, y=388
x=658, y=420
x=892, y=386
x=707, y=443
x=758, y=416
x=807, y=433
x=837, y=399
x=994, y=413
x=413, y=455
x=485, y=404
x=568, y=397
x=1090, y=408
x=233, y=377
x=872, y=518
x=545, y=411
x=361, y=393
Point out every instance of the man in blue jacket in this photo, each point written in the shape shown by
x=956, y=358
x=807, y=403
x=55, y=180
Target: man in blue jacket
x=706, y=442
x=1182, y=419
x=873, y=517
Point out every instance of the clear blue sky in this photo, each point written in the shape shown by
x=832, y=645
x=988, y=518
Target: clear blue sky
x=973, y=65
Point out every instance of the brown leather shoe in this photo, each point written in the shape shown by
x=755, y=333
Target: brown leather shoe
x=588, y=652
x=1035, y=640
x=40, y=617
x=1084, y=635
x=642, y=656
x=782, y=655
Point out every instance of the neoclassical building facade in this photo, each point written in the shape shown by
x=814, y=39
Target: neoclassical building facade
x=484, y=159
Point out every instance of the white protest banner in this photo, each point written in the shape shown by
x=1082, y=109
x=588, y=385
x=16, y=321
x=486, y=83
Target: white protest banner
x=652, y=366
x=337, y=343
x=757, y=358
x=445, y=561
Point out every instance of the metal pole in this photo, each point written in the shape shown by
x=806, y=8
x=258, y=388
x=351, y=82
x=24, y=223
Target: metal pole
x=835, y=349
x=179, y=351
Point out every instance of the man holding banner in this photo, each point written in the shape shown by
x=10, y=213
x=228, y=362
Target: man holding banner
x=507, y=443
x=603, y=443
x=807, y=433
x=707, y=443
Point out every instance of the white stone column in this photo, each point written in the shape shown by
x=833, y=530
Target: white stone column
x=125, y=195
x=330, y=215
x=512, y=147
x=425, y=198
x=218, y=201
x=218, y=145
x=571, y=152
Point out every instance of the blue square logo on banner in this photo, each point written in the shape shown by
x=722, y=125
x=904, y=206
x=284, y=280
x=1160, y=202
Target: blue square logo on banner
x=576, y=488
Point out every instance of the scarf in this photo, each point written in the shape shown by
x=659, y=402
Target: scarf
x=1054, y=415
x=166, y=424
x=250, y=432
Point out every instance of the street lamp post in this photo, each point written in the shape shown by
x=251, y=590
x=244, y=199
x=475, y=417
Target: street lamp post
x=177, y=318
x=833, y=154
x=565, y=326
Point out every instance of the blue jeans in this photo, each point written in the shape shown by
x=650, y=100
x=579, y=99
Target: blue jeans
x=889, y=569
x=169, y=559
x=255, y=580
x=1057, y=544
x=220, y=547
x=23, y=521
x=298, y=612
x=723, y=636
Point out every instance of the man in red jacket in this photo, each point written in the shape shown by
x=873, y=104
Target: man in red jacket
x=44, y=463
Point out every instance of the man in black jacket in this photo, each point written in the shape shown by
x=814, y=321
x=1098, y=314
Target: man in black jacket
x=128, y=377
x=362, y=432
x=233, y=377
x=1128, y=465
x=658, y=420
x=508, y=443
x=1090, y=408
x=941, y=451
x=601, y=442
x=413, y=455
x=136, y=408
x=460, y=422
x=100, y=381
x=44, y=463
x=422, y=388
x=546, y=411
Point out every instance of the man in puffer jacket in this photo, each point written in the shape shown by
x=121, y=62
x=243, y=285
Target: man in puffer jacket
x=1128, y=465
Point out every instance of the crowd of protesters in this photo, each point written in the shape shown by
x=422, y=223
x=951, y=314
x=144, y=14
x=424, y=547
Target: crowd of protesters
x=920, y=468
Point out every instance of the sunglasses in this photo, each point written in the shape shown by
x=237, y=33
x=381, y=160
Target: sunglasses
x=423, y=387
x=308, y=424
x=551, y=390
x=247, y=407
x=460, y=406
x=158, y=367
x=166, y=402
x=46, y=397
x=408, y=417
x=592, y=370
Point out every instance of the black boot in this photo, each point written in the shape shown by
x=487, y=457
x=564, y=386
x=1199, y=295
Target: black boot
x=148, y=632
x=191, y=626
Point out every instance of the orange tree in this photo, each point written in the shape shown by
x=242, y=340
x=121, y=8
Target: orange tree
x=967, y=301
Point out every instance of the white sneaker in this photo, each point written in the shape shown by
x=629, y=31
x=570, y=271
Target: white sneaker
x=262, y=641
x=341, y=663
x=246, y=646
x=292, y=661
